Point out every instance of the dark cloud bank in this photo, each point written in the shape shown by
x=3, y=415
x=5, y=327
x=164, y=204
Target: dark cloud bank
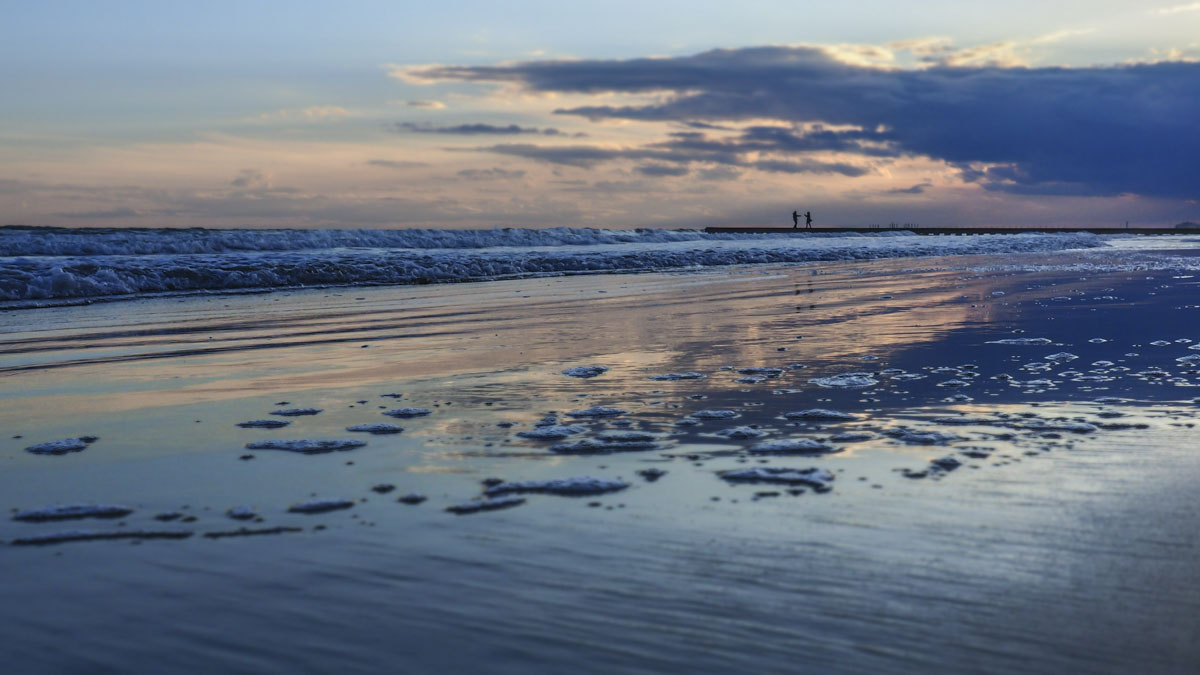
x=686, y=147
x=1079, y=131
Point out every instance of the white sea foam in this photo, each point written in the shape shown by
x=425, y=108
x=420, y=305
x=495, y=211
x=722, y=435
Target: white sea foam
x=62, y=446
x=626, y=436
x=651, y=474
x=846, y=381
x=912, y=437
x=1055, y=425
x=761, y=371
x=377, y=429
x=47, y=264
x=580, y=485
x=963, y=420
x=585, y=371
x=93, y=535
x=820, y=414
x=485, y=505
x=241, y=513
x=946, y=463
x=72, y=511
x=852, y=436
x=552, y=432
x=263, y=424
x=740, y=433
x=670, y=377
x=407, y=412
x=308, y=446
x=321, y=505
x=597, y=446
x=793, y=446
x=817, y=478
x=1021, y=341
x=597, y=411
x=954, y=383
x=714, y=414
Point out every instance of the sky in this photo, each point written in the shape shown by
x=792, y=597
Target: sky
x=607, y=114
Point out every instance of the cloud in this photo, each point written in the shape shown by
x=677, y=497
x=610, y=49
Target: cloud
x=770, y=149
x=924, y=46
x=490, y=174
x=997, y=55
x=394, y=164
x=583, y=156
x=917, y=189
x=706, y=125
x=1177, y=9
x=117, y=212
x=1060, y=35
x=251, y=179
x=719, y=173
x=316, y=113
x=662, y=170
x=1110, y=130
x=809, y=166
x=475, y=129
x=431, y=105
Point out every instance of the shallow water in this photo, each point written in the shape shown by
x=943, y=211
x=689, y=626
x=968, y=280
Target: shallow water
x=1051, y=548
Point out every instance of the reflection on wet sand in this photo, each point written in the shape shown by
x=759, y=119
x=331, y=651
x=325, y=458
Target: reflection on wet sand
x=846, y=458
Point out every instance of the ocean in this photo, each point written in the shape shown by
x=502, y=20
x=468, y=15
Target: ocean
x=45, y=266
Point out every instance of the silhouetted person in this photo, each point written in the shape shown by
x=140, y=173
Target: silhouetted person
x=808, y=220
x=795, y=220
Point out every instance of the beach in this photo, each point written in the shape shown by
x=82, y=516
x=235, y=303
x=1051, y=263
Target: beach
x=862, y=454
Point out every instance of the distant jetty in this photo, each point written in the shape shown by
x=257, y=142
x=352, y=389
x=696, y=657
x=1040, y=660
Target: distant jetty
x=1182, y=228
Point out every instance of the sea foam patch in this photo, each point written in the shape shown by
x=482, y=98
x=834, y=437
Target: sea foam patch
x=820, y=414
x=93, y=535
x=577, y=486
x=407, y=412
x=741, y=433
x=814, y=477
x=599, y=446
x=551, y=432
x=672, y=377
x=597, y=411
x=714, y=414
x=263, y=424
x=924, y=437
x=297, y=412
x=585, y=372
x=321, y=506
x=62, y=446
x=793, y=446
x=378, y=428
x=73, y=511
x=308, y=446
x=480, y=505
x=856, y=380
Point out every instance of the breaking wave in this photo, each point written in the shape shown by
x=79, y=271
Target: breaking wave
x=47, y=265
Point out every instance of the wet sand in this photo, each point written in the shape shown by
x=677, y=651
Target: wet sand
x=1062, y=540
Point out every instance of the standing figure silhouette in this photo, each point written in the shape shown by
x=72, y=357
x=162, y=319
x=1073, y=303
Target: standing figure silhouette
x=808, y=220
x=795, y=220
